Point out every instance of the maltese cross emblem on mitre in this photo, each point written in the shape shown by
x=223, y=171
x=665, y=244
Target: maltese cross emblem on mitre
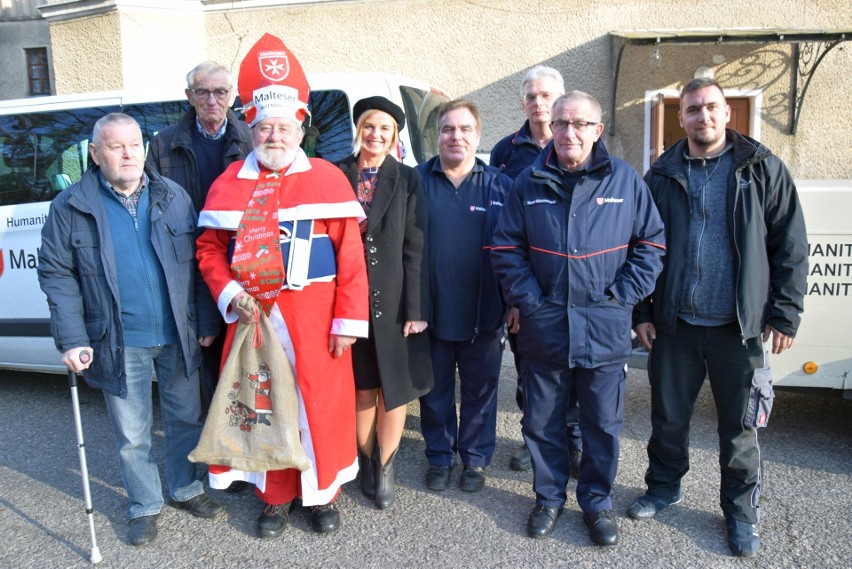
x=272, y=83
x=275, y=66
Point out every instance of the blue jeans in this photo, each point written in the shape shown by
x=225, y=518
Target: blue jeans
x=133, y=417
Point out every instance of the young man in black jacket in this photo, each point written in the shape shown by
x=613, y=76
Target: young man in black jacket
x=734, y=277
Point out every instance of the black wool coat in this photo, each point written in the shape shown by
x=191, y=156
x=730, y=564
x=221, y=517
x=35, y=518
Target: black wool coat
x=398, y=273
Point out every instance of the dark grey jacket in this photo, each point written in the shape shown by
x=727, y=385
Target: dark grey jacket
x=77, y=272
x=768, y=230
x=171, y=153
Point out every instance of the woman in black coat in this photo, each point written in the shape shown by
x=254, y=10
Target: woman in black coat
x=392, y=367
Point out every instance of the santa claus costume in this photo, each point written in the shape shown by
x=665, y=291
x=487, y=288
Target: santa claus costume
x=324, y=290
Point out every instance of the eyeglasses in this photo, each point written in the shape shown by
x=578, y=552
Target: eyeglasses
x=204, y=94
x=545, y=96
x=579, y=126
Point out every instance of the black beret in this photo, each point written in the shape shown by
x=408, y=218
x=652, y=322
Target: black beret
x=380, y=104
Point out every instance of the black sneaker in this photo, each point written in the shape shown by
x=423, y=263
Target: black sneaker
x=648, y=505
x=742, y=538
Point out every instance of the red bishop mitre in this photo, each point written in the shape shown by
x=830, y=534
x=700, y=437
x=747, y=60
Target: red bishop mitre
x=272, y=83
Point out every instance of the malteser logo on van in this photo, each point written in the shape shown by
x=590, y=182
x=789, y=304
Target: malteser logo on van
x=20, y=259
x=274, y=65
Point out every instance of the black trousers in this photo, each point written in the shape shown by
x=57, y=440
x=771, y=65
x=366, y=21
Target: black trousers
x=677, y=368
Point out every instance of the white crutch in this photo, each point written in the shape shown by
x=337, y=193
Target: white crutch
x=95, y=557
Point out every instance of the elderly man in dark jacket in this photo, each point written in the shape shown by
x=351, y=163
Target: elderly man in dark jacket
x=117, y=264
x=194, y=153
x=579, y=243
x=208, y=138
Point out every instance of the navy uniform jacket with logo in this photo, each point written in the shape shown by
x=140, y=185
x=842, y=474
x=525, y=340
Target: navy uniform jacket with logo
x=514, y=153
x=575, y=263
x=480, y=198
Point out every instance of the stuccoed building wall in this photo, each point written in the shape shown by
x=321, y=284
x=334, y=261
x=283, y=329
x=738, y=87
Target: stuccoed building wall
x=88, y=54
x=482, y=49
x=129, y=48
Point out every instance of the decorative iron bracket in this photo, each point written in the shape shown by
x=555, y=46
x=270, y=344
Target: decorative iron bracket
x=808, y=56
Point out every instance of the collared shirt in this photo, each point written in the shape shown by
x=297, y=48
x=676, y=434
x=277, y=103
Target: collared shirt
x=463, y=287
x=219, y=133
x=131, y=201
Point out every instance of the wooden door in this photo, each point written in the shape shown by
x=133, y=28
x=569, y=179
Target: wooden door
x=670, y=126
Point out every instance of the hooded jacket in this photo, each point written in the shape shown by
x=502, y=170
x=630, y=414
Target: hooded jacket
x=766, y=224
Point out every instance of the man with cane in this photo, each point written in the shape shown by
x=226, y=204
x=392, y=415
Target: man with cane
x=117, y=264
x=85, y=357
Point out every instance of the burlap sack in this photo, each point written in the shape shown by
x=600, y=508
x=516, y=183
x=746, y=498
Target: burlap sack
x=253, y=421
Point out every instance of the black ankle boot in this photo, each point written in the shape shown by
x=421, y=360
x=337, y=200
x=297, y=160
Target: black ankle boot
x=368, y=475
x=385, y=490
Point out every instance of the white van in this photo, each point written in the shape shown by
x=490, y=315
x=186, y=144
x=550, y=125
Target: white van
x=821, y=357
x=44, y=149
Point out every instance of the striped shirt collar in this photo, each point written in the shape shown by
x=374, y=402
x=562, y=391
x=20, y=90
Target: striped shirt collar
x=219, y=134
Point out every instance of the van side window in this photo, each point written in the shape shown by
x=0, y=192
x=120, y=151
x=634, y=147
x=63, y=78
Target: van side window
x=43, y=153
x=40, y=153
x=421, y=116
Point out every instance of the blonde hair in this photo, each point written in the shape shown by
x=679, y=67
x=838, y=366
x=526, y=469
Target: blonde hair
x=359, y=131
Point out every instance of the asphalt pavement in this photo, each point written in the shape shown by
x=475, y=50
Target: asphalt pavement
x=806, y=504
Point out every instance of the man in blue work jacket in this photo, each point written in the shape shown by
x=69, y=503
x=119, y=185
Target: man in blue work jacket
x=512, y=155
x=464, y=196
x=579, y=243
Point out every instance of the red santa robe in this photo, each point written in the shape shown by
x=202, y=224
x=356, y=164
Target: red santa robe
x=303, y=317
